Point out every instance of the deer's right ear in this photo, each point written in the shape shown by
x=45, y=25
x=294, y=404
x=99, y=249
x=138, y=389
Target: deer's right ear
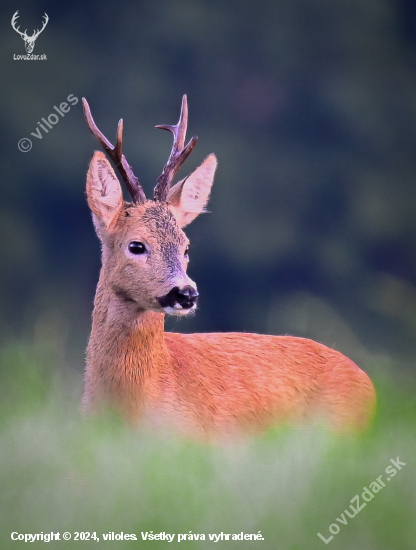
x=104, y=194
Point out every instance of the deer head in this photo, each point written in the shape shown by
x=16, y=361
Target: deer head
x=145, y=251
x=29, y=40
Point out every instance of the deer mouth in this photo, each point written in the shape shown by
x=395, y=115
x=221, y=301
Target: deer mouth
x=179, y=301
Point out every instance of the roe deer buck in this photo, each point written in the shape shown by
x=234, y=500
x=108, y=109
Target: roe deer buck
x=207, y=384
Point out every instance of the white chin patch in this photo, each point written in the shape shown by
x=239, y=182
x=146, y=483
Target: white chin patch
x=178, y=310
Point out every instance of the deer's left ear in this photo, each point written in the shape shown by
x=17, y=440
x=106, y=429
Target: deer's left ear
x=189, y=196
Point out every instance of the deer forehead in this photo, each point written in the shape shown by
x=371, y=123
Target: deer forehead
x=153, y=222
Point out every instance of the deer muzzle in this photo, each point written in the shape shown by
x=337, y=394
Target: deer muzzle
x=179, y=298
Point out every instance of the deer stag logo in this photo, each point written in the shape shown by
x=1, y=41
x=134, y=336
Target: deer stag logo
x=29, y=40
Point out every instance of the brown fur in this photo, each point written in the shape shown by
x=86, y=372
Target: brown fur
x=205, y=384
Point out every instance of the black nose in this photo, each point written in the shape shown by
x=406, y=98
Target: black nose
x=186, y=297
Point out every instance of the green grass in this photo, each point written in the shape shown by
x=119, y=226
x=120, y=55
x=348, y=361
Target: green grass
x=59, y=472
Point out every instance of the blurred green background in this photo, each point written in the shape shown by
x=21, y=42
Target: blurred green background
x=310, y=107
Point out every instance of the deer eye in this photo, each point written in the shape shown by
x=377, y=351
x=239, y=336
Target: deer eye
x=186, y=253
x=137, y=248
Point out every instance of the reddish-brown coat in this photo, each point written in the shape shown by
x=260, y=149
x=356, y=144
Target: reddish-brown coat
x=210, y=385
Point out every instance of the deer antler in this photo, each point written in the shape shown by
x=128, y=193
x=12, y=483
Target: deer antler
x=37, y=33
x=14, y=19
x=178, y=155
x=116, y=155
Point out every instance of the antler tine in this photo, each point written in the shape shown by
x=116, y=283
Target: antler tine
x=119, y=140
x=14, y=19
x=178, y=130
x=116, y=155
x=178, y=154
x=37, y=32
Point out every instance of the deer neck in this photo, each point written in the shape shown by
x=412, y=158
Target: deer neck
x=127, y=357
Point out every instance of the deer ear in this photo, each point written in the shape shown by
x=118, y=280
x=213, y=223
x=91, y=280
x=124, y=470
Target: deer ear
x=104, y=194
x=189, y=196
